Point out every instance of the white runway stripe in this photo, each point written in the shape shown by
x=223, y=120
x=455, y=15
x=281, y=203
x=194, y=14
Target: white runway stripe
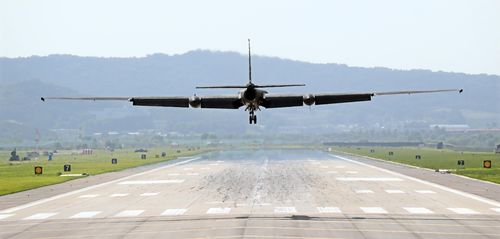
x=174, y=212
x=339, y=166
x=394, y=191
x=187, y=169
x=129, y=213
x=324, y=167
x=173, y=174
x=351, y=172
x=193, y=174
x=3, y=216
x=219, y=210
x=285, y=210
x=89, y=196
x=149, y=194
x=425, y=191
x=369, y=179
x=151, y=182
x=88, y=214
x=333, y=172
x=364, y=191
x=461, y=210
x=373, y=210
x=495, y=209
x=119, y=195
x=40, y=216
x=418, y=210
x=328, y=210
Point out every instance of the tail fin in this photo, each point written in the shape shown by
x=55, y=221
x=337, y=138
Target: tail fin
x=249, y=64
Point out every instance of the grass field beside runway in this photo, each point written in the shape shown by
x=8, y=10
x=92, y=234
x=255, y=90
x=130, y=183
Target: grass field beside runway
x=436, y=159
x=19, y=175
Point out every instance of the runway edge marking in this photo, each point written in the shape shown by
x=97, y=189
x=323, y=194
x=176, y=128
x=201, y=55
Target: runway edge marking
x=41, y=201
x=458, y=192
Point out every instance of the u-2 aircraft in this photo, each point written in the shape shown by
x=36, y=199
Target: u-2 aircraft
x=252, y=97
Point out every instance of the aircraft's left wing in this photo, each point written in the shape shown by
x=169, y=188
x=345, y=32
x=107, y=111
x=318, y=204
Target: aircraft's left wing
x=291, y=100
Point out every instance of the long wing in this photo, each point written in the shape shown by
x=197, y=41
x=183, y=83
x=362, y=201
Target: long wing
x=291, y=100
x=214, y=102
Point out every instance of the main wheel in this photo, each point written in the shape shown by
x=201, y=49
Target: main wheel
x=250, y=119
x=255, y=119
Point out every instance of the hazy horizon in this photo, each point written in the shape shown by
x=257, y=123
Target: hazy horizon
x=451, y=36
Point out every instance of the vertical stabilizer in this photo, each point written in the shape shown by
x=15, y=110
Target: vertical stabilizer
x=249, y=64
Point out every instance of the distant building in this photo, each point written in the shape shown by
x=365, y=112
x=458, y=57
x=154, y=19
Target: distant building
x=497, y=150
x=451, y=127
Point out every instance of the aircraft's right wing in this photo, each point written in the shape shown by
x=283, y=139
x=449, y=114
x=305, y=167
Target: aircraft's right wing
x=213, y=101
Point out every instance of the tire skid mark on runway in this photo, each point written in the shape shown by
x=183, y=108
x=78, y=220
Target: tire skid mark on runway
x=444, y=188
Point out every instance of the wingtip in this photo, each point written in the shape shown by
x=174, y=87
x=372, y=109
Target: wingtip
x=460, y=91
x=43, y=99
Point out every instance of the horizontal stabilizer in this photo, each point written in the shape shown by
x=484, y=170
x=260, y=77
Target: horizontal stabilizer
x=246, y=86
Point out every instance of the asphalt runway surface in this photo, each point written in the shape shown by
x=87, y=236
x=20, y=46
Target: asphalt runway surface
x=258, y=194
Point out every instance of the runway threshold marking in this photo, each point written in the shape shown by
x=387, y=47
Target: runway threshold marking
x=285, y=210
x=378, y=210
x=129, y=213
x=393, y=191
x=40, y=216
x=141, y=182
x=219, y=210
x=369, y=179
x=118, y=195
x=363, y=191
x=3, y=216
x=89, y=196
x=174, y=212
x=41, y=201
x=89, y=214
x=418, y=210
x=444, y=188
x=329, y=210
x=148, y=194
x=425, y=191
x=460, y=210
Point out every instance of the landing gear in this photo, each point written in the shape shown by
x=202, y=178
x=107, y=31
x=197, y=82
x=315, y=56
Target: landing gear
x=252, y=118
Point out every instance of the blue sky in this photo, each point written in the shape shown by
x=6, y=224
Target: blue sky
x=447, y=35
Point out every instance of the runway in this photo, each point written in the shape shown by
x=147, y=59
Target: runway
x=258, y=194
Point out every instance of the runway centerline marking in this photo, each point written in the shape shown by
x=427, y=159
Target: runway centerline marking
x=174, y=212
x=3, y=216
x=129, y=213
x=393, y=191
x=351, y=172
x=285, y=210
x=444, y=188
x=89, y=214
x=41, y=201
x=219, y=210
x=140, y=182
x=329, y=210
x=40, y=216
x=369, y=179
x=174, y=174
x=378, y=210
x=418, y=210
x=461, y=210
